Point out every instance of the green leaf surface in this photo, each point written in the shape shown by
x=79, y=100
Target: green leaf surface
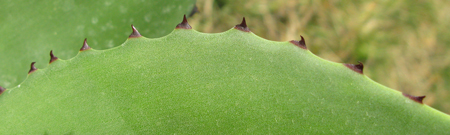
x=195, y=83
x=29, y=29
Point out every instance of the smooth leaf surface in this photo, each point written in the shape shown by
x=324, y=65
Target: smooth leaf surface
x=29, y=29
x=194, y=83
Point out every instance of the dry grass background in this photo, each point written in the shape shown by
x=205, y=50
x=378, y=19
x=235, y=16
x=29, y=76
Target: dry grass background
x=404, y=44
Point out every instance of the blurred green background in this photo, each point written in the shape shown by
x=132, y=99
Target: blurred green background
x=403, y=44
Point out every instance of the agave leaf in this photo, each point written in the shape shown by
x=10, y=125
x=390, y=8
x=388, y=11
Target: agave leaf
x=190, y=82
x=30, y=29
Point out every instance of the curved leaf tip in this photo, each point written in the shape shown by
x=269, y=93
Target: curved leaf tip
x=184, y=24
x=135, y=33
x=32, y=68
x=418, y=99
x=2, y=90
x=52, y=57
x=357, y=68
x=301, y=43
x=242, y=26
x=85, y=46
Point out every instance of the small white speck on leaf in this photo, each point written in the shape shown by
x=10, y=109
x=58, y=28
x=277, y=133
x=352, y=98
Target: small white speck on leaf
x=94, y=20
